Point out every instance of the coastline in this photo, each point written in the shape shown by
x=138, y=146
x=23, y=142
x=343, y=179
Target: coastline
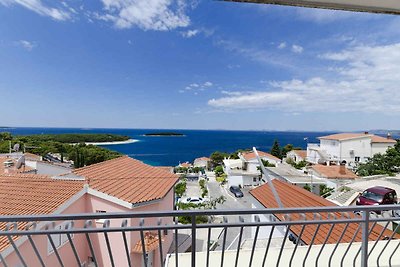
x=129, y=141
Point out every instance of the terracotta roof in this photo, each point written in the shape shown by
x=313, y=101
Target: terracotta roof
x=128, y=179
x=301, y=153
x=169, y=169
x=348, y=136
x=12, y=169
x=203, y=158
x=380, y=139
x=33, y=157
x=334, y=172
x=150, y=242
x=29, y=194
x=185, y=165
x=293, y=196
x=251, y=155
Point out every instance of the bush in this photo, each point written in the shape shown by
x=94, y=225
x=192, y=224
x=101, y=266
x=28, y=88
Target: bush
x=219, y=170
x=221, y=179
x=180, y=188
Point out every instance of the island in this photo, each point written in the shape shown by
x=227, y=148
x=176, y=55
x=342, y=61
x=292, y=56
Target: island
x=164, y=134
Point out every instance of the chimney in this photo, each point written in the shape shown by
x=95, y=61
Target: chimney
x=389, y=136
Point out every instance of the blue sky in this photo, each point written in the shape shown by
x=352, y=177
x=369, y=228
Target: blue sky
x=196, y=65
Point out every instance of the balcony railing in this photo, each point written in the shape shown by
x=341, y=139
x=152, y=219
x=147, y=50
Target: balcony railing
x=230, y=238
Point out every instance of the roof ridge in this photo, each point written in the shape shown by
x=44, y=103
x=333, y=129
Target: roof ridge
x=101, y=163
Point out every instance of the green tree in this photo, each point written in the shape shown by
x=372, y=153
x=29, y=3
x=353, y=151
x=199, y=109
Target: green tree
x=276, y=149
x=5, y=136
x=307, y=187
x=219, y=170
x=217, y=157
x=325, y=191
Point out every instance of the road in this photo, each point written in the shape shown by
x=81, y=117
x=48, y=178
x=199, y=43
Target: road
x=232, y=235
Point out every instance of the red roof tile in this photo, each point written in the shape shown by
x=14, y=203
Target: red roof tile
x=151, y=242
x=29, y=194
x=301, y=153
x=293, y=196
x=334, y=172
x=251, y=155
x=129, y=179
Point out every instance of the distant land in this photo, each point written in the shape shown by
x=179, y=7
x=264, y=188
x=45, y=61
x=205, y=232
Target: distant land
x=164, y=134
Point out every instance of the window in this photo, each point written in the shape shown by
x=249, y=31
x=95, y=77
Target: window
x=58, y=239
x=357, y=159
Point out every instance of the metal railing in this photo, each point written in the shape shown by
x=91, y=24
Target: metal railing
x=307, y=236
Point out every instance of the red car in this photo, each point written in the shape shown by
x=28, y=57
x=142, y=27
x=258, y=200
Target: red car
x=377, y=195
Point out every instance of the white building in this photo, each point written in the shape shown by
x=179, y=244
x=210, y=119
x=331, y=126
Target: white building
x=202, y=162
x=244, y=171
x=297, y=155
x=349, y=147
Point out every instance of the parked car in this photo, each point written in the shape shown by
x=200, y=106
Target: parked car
x=377, y=195
x=236, y=191
x=193, y=200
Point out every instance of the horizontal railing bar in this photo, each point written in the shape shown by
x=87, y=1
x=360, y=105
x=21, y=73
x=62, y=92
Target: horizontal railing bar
x=172, y=227
x=124, y=215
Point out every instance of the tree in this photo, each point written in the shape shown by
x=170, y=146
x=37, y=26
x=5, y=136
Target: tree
x=217, y=157
x=307, y=187
x=325, y=191
x=276, y=149
x=4, y=136
x=218, y=171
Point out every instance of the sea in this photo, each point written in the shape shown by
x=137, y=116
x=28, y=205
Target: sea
x=171, y=150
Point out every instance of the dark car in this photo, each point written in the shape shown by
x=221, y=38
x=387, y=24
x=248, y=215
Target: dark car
x=377, y=195
x=236, y=191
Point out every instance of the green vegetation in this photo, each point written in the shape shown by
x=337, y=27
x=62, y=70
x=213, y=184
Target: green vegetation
x=74, y=138
x=299, y=165
x=221, y=179
x=388, y=163
x=219, y=170
x=276, y=149
x=267, y=164
x=204, y=190
x=325, y=191
x=307, y=187
x=81, y=154
x=212, y=204
x=180, y=188
x=164, y=134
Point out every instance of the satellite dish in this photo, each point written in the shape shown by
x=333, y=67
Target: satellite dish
x=20, y=161
x=16, y=147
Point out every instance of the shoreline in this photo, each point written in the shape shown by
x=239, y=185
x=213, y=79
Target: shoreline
x=129, y=141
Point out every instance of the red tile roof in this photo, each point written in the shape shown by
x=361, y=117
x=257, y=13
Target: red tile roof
x=348, y=136
x=334, y=172
x=301, y=153
x=151, y=242
x=128, y=179
x=293, y=196
x=29, y=194
x=251, y=155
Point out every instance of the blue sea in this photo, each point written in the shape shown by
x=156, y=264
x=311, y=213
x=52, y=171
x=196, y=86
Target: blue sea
x=170, y=150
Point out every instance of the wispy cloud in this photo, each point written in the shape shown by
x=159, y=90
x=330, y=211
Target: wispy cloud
x=27, y=45
x=363, y=79
x=56, y=13
x=195, y=32
x=196, y=87
x=282, y=45
x=160, y=15
x=297, y=49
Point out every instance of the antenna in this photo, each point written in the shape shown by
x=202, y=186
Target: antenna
x=264, y=172
x=20, y=161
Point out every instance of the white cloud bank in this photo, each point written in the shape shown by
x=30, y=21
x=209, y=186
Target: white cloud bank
x=37, y=6
x=27, y=45
x=160, y=15
x=365, y=79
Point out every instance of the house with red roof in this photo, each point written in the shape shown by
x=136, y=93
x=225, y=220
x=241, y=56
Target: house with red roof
x=245, y=170
x=350, y=148
x=293, y=196
x=118, y=185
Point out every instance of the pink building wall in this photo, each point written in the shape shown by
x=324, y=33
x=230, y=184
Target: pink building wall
x=90, y=203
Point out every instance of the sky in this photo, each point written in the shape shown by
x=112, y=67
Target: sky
x=196, y=64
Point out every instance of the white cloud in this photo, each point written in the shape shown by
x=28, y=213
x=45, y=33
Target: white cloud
x=160, y=15
x=56, y=13
x=282, y=45
x=297, y=49
x=366, y=79
x=190, y=33
x=27, y=45
x=195, y=87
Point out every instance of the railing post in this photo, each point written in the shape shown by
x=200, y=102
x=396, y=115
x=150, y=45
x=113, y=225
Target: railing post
x=364, y=240
x=193, y=240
